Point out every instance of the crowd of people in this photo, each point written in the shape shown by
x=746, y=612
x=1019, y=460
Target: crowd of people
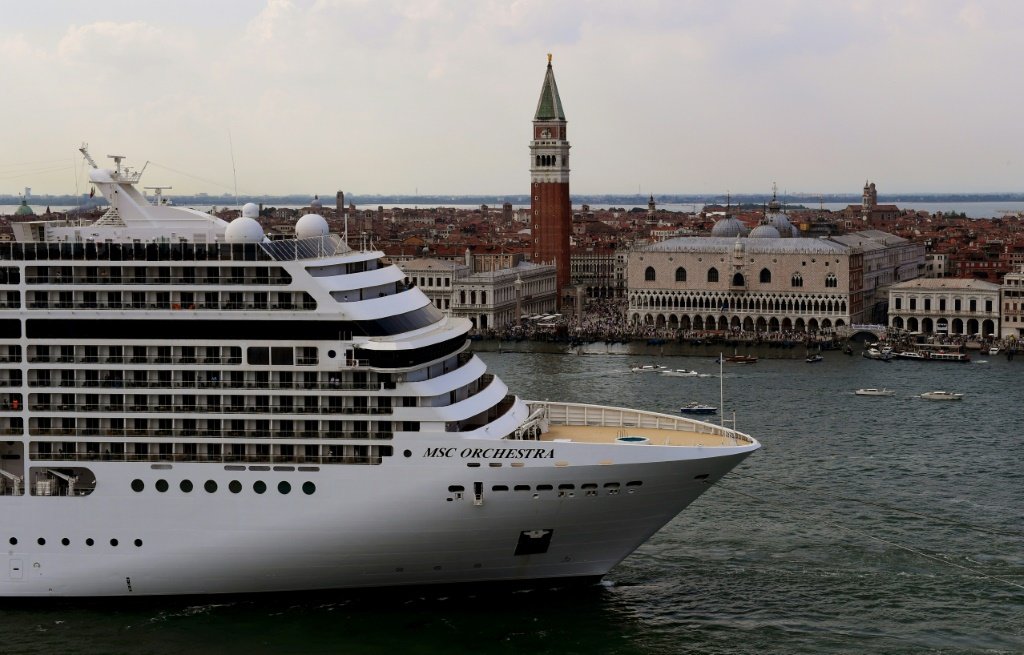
x=604, y=320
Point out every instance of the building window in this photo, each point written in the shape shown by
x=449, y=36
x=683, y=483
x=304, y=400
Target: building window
x=737, y=280
x=713, y=275
x=913, y=304
x=766, y=276
x=680, y=274
x=973, y=305
x=649, y=274
x=899, y=303
x=797, y=280
x=831, y=280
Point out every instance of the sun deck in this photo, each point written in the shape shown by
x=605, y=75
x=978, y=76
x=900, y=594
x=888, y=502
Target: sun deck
x=599, y=424
x=655, y=436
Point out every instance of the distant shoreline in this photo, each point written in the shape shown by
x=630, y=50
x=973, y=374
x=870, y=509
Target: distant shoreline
x=638, y=200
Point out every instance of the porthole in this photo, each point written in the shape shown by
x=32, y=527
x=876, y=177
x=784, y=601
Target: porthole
x=235, y=486
x=89, y=541
x=138, y=485
x=41, y=541
x=65, y=541
x=210, y=486
x=161, y=485
x=113, y=542
x=138, y=543
x=332, y=354
x=259, y=486
x=407, y=453
x=186, y=486
x=284, y=487
x=308, y=488
x=13, y=541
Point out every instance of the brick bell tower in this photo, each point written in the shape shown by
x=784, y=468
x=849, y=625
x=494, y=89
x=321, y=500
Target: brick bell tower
x=550, y=209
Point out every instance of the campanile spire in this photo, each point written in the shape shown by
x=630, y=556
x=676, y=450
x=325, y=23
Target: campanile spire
x=550, y=207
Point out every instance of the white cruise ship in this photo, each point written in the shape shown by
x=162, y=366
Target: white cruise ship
x=191, y=408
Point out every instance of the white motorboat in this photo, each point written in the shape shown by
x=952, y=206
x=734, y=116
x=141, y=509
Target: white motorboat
x=680, y=373
x=942, y=395
x=875, y=392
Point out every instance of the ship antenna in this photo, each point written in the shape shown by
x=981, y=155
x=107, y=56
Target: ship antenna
x=234, y=175
x=721, y=389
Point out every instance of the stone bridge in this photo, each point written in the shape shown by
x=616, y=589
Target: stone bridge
x=865, y=332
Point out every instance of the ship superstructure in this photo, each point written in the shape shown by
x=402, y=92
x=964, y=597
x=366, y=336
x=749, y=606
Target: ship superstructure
x=190, y=408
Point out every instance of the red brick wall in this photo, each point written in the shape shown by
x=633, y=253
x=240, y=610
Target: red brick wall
x=551, y=212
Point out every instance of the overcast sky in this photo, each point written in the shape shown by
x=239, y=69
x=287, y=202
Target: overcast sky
x=436, y=96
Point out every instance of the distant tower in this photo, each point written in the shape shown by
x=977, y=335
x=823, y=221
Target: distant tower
x=868, y=200
x=650, y=209
x=339, y=204
x=550, y=208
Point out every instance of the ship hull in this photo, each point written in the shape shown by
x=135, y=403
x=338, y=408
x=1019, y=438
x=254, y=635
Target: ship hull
x=362, y=527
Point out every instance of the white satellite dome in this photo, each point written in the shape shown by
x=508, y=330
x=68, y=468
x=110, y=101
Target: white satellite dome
x=244, y=230
x=250, y=210
x=310, y=226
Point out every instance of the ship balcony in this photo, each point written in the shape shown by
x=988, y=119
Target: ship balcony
x=283, y=460
x=275, y=434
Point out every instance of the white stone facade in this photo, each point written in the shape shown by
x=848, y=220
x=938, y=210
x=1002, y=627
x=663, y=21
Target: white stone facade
x=762, y=285
x=1012, y=301
x=436, y=278
x=489, y=299
x=945, y=306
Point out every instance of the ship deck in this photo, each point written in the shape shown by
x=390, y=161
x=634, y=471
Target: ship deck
x=656, y=436
x=599, y=424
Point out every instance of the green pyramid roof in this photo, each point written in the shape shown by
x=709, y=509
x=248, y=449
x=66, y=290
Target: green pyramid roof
x=549, y=107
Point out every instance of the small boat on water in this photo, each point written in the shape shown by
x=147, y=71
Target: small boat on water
x=942, y=395
x=648, y=368
x=813, y=359
x=994, y=350
x=881, y=354
x=680, y=373
x=929, y=355
x=698, y=408
x=875, y=392
x=741, y=359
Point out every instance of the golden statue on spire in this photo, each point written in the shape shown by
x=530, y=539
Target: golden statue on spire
x=549, y=59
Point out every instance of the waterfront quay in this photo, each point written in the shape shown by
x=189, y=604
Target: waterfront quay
x=693, y=345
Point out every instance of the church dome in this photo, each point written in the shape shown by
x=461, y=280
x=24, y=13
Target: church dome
x=316, y=204
x=779, y=221
x=730, y=226
x=764, y=231
x=24, y=209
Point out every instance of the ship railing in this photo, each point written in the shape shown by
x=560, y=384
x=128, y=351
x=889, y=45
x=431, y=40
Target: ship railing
x=123, y=280
x=92, y=456
x=202, y=433
x=200, y=306
x=208, y=409
x=219, y=384
x=560, y=413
